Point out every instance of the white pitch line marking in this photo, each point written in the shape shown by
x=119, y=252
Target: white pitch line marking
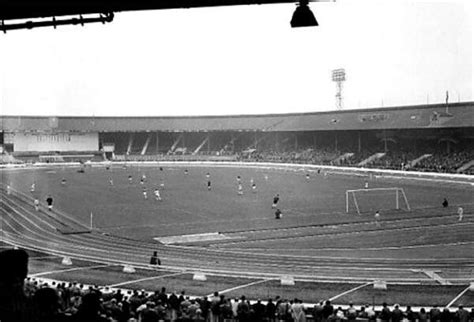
x=146, y=279
x=242, y=286
x=457, y=297
x=350, y=291
x=69, y=270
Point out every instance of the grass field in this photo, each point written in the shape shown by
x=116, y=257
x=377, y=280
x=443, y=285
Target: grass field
x=189, y=208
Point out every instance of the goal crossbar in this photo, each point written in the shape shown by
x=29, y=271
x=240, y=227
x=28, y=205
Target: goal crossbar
x=399, y=192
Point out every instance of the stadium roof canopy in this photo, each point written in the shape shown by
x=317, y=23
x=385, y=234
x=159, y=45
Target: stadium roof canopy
x=456, y=115
x=44, y=13
x=24, y=9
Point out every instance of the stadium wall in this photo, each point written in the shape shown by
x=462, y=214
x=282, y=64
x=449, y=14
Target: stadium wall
x=443, y=178
x=53, y=142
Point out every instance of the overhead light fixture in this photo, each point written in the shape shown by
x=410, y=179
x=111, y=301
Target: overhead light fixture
x=303, y=17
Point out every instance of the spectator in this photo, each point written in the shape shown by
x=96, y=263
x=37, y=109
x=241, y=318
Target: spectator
x=243, y=310
x=435, y=314
x=446, y=315
x=214, y=308
x=351, y=312
x=385, y=314
x=462, y=315
x=327, y=310
x=149, y=314
x=204, y=306
x=371, y=315
x=397, y=314
x=297, y=311
x=270, y=310
x=410, y=315
x=46, y=306
x=259, y=311
x=13, y=301
x=318, y=312
x=89, y=310
x=173, y=305
x=422, y=316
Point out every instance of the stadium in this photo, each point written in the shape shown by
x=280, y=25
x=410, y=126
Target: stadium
x=184, y=161
x=327, y=245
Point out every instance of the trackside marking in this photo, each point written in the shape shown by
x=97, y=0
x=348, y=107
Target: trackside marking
x=242, y=286
x=146, y=279
x=69, y=270
x=43, y=257
x=350, y=291
x=457, y=297
x=239, y=251
x=436, y=277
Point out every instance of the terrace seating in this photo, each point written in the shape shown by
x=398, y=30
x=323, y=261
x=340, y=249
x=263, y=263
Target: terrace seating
x=8, y=159
x=76, y=302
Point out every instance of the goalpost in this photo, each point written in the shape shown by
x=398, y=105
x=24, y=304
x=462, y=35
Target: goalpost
x=365, y=200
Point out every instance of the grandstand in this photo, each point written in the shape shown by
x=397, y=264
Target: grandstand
x=435, y=138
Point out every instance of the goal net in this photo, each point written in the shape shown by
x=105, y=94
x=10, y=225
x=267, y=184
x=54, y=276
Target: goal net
x=371, y=200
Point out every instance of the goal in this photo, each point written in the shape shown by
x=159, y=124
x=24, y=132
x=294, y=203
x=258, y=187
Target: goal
x=371, y=200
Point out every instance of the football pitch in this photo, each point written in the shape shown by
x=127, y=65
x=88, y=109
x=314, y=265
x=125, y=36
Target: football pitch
x=118, y=206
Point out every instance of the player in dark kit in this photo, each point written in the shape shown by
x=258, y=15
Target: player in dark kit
x=278, y=214
x=154, y=260
x=49, y=202
x=209, y=185
x=445, y=203
x=275, y=200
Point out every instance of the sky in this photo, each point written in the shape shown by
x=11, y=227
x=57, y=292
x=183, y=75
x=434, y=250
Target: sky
x=242, y=60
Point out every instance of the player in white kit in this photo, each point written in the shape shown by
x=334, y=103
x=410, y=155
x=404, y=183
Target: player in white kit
x=377, y=218
x=157, y=194
x=460, y=213
x=254, y=188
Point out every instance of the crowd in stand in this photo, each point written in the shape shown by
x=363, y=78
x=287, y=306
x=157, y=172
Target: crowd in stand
x=394, y=160
x=447, y=163
x=307, y=156
x=22, y=299
x=73, y=302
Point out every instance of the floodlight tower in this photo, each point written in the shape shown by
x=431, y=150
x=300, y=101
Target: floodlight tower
x=339, y=76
